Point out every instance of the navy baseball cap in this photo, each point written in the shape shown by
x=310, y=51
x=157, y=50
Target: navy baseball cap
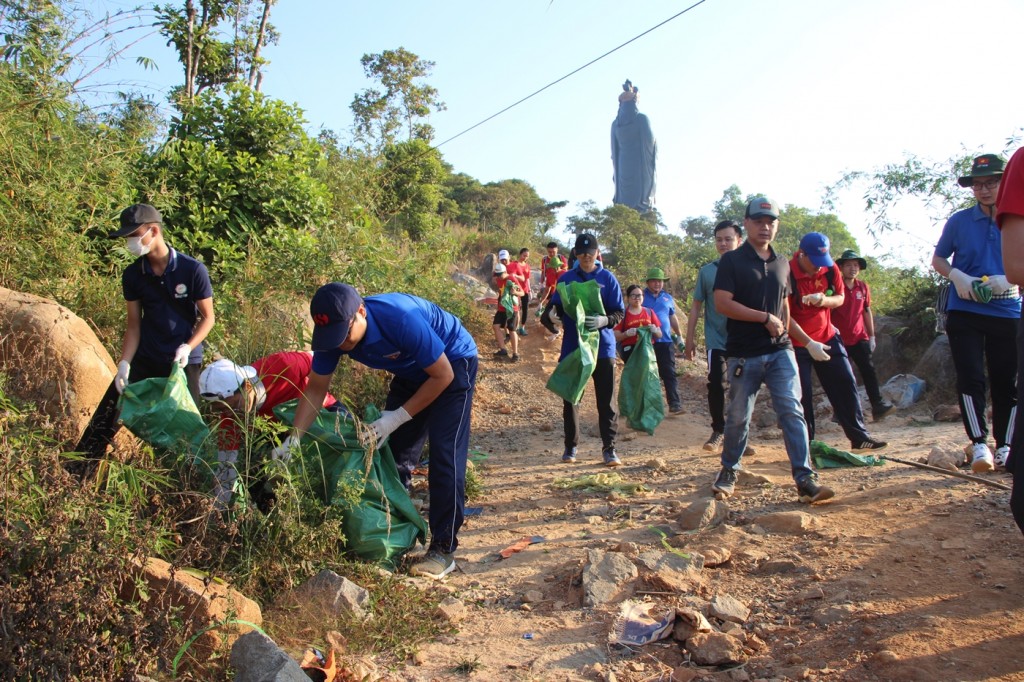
x=759, y=206
x=815, y=246
x=333, y=307
x=586, y=243
x=135, y=216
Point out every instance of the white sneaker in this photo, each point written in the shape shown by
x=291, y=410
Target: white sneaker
x=1001, y=455
x=981, y=459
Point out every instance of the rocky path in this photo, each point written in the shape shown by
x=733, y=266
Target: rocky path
x=905, y=575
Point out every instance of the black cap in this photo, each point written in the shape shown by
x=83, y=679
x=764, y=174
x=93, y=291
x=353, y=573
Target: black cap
x=332, y=309
x=134, y=216
x=985, y=166
x=585, y=243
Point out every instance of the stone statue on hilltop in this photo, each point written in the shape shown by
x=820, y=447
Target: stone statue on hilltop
x=634, y=153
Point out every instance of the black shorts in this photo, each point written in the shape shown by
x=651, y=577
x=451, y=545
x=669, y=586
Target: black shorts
x=509, y=322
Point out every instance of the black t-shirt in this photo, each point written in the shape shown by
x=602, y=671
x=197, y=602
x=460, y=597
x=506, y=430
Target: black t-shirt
x=759, y=284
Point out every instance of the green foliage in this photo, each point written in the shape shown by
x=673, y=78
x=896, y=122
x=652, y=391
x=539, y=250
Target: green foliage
x=509, y=213
x=410, y=189
x=403, y=102
x=630, y=243
x=237, y=169
x=932, y=182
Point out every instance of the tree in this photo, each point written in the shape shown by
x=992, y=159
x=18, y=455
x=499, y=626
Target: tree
x=631, y=242
x=237, y=166
x=410, y=188
x=381, y=114
x=931, y=182
x=208, y=60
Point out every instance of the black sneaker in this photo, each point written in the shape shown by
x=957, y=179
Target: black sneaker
x=678, y=409
x=569, y=456
x=610, y=458
x=810, y=492
x=515, y=357
x=869, y=444
x=714, y=442
x=501, y=353
x=882, y=410
x=726, y=482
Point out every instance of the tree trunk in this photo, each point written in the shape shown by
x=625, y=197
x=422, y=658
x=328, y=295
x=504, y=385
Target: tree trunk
x=257, y=46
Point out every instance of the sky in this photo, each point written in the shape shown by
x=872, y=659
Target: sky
x=779, y=98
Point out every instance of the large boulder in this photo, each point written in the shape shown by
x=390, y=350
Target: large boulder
x=936, y=367
x=53, y=359
x=202, y=602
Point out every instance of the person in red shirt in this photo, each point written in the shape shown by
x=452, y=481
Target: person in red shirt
x=856, y=326
x=1010, y=220
x=816, y=289
x=506, y=316
x=520, y=272
x=636, y=317
x=552, y=266
x=238, y=392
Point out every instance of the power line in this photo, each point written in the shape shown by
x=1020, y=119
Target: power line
x=571, y=73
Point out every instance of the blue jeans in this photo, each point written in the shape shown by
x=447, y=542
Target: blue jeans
x=778, y=372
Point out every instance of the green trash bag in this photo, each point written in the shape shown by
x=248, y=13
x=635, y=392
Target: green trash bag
x=162, y=413
x=570, y=378
x=827, y=457
x=640, y=386
x=378, y=517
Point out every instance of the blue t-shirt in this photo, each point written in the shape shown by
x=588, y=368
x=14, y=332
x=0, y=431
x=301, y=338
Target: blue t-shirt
x=404, y=335
x=715, y=323
x=611, y=298
x=168, y=316
x=664, y=306
x=972, y=238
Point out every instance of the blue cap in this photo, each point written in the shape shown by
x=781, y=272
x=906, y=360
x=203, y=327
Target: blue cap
x=332, y=309
x=815, y=247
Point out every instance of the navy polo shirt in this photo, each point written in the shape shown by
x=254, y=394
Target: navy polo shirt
x=759, y=284
x=404, y=335
x=169, y=311
x=664, y=306
x=611, y=297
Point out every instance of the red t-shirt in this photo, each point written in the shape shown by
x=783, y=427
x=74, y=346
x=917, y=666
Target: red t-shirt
x=645, y=317
x=520, y=274
x=849, y=317
x=817, y=322
x=553, y=269
x=1010, y=200
x=284, y=377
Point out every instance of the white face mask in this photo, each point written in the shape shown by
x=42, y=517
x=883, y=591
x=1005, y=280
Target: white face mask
x=135, y=245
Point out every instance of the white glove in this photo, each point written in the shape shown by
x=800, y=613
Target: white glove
x=121, y=380
x=283, y=452
x=553, y=315
x=595, y=322
x=225, y=474
x=388, y=422
x=181, y=355
x=871, y=344
x=817, y=351
x=998, y=284
x=814, y=299
x=631, y=331
x=963, y=283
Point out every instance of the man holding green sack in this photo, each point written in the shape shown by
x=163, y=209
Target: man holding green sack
x=170, y=312
x=588, y=269
x=434, y=362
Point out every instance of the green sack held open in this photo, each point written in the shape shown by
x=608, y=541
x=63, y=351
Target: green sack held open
x=570, y=378
x=640, y=386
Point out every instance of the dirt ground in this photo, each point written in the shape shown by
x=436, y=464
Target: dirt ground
x=904, y=575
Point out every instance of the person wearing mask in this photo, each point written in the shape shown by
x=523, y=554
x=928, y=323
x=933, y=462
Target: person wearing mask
x=169, y=301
